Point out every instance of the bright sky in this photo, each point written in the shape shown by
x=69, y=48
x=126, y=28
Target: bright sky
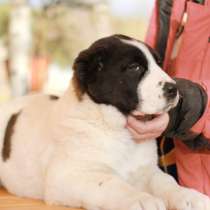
x=141, y=8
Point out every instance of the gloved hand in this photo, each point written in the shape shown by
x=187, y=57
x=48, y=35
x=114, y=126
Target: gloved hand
x=191, y=106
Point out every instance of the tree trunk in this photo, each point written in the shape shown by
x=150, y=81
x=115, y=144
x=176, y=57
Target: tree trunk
x=19, y=47
x=4, y=83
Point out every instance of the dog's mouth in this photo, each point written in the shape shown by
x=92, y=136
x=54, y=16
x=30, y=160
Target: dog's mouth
x=147, y=117
x=144, y=118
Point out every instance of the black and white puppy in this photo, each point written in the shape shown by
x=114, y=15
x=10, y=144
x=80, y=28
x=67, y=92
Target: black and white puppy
x=75, y=150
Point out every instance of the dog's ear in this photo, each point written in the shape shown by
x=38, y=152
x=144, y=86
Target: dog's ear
x=86, y=66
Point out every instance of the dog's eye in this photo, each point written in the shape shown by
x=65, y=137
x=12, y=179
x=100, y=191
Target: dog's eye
x=134, y=67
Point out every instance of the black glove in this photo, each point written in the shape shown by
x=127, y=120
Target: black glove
x=191, y=106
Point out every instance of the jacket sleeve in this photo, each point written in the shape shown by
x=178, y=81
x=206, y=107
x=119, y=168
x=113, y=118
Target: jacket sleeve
x=190, y=119
x=158, y=30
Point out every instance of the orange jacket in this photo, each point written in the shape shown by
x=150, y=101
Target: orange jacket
x=192, y=62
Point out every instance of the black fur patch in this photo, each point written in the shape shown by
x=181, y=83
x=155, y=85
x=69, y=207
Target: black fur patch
x=6, y=149
x=121, y=36
x=107, y=72
x=53, y=97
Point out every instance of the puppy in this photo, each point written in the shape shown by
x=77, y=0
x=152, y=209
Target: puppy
x=75, y=150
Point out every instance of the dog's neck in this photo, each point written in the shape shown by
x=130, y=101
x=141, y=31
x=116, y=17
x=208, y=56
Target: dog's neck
x=85, y=109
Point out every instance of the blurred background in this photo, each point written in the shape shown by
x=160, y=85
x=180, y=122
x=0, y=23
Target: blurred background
x=39, y=39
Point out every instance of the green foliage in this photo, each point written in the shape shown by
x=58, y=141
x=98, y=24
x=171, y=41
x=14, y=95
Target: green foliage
x=4, y=20
x=50, y=35
x=50, y=38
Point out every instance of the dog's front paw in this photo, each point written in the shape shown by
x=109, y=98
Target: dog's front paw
x=188, y=199
x=148, y=202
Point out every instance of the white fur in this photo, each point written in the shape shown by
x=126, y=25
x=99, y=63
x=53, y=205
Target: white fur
x=79, y=154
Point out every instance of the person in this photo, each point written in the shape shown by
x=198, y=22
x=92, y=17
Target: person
x=179, y=31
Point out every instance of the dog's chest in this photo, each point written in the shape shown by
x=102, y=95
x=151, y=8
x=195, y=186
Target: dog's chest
x=107, y=147
x=118, y=151
x=136, y=156
x=104, y=140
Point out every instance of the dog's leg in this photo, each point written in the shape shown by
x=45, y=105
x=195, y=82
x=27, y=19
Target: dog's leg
x=175, y=197
x=95, y=188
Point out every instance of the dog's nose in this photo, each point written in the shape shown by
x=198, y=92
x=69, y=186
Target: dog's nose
x=170, y=90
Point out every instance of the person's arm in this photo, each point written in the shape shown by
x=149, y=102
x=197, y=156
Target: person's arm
x=188, y=122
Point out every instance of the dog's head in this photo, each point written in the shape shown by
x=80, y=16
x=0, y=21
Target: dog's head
x=125, y=73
